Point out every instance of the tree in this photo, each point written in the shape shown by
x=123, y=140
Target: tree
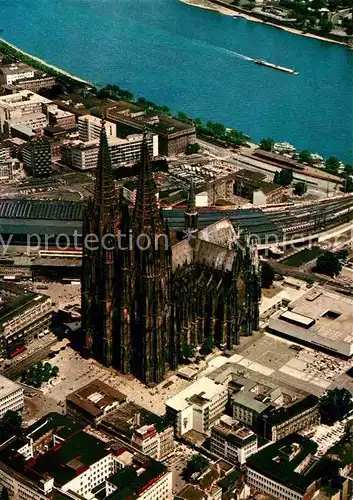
x=197, y=463
x=306, y=156
x=193, y=148
x=207, y=346
x=334, y=405
x=326, y=26
x=267, y=275
x=284, y=177
x=300, y=188
x=332, y=164
x=342, y=254
x=267, y=144
x=10, y=425
x=328, y=264
x=187, y=351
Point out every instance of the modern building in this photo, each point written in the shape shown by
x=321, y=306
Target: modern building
x=36, y=155
x=84, y=155
x=7, y=170
x=38, y=82
x=277, y=423
x=11, y=396
x=92, y=402
x=20, y=131
x=321, y=319
x=286, y=469
x=232, y=440
x=23, y=315
x=63, y=119
x=138, y=477
x=146, y=431
x=89, y=128
x=146, y=336
x=198, y=407
x=24, y=107
x=174, y=136
x=12, y=73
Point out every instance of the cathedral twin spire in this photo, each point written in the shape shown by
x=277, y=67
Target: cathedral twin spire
x=104, y=196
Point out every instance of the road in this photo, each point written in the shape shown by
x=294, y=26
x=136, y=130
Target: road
x=17, y=368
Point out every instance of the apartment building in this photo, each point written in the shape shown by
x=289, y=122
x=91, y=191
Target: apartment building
x=11, y=73
x=37, y=82
x=23, y=316
x=84, y=155
x=11, y=396
x=24, y=107
x=198, y=407
x=232, y=440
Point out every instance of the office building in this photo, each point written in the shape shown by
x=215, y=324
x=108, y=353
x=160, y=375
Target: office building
x=23, y=315
x=24, y=107
x=84, y=155
x=198, y=407
x=36, y=155
x=12, y=73
x=232, y=440
x=89, y=128
x=63, y=119
x=286, y=469
x=11, y=396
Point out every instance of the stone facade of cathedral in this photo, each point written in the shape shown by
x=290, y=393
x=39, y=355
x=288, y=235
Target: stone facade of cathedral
x=144, y=300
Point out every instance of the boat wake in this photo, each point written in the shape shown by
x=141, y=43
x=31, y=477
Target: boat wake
x=235, y=54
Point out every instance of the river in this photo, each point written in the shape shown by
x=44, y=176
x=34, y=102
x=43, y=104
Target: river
x=190, y=59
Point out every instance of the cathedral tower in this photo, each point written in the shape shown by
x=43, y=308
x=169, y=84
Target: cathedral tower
x=101, y=224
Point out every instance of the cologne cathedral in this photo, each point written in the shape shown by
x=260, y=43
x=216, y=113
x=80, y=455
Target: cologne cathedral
x=144, y=300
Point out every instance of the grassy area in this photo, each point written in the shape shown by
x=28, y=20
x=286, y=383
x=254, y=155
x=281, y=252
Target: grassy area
x=270, y=292
x=303, y=257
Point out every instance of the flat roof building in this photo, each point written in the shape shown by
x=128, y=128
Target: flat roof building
x=11, y=396
x=11, y=73
x=93, y=402
x=198, y=407
x=23, y=315
x=320, y=318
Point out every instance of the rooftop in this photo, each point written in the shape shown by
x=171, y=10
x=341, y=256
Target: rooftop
x=14, y=69
x=71, y=458
x=95, y=397
x=131, y=481
x=7, y=387
x=284, y=462
x=204, y=388
x=130, y=416
x=58, y=424
x=234, y=431
x=190, y=492
x=323, y=312
x=14, y=300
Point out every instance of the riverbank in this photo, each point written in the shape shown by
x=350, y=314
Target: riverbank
x=232, y=10
x=50, y=67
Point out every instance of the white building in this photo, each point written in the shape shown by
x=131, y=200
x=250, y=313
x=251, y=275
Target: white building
x=281, y=469
x=24, y=107
x=321, y=318
x=89, y=128
x=232, y=440
x=11, y=396
x=11, y=73
x=84, y=155
x=197, y=407
x=157, y=445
